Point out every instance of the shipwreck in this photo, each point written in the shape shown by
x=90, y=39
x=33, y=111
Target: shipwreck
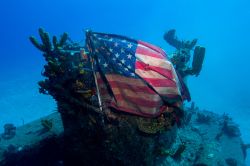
x=117, y=107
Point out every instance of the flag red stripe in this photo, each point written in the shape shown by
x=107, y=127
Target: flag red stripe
x=167, y=90
x=162, y=71
x=137, y=101
x=134, y=96
x=128, y=80
x=138, y=85
x=147, y=52
x=145, y=89
x=136, y=111
x=152, y=61
x=104, y=94
x=132, y=93
x=152, y=47
x=160, y=82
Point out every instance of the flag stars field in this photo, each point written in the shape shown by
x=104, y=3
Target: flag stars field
x=117, y=55
x=105, y=65
x=129, y=56
x=130, y=45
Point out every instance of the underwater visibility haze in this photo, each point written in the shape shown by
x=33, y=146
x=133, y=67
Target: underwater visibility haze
x=222, y=27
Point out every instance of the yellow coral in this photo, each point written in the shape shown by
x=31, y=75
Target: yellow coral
x=79, y=84
x=149, y=126
x=80, y=65
x=152, y=126
x=81, y=71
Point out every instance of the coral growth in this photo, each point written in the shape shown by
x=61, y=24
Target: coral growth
x=187, y=117
x=175, y=153
x=229, y=128
x=155, y=125
x=9, y=131
x=202, y=118
x=66, y=73
x=182, y=55
x=178, y=44
x=46, y=45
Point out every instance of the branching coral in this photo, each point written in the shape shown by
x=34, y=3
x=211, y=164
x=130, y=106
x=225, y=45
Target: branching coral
x=46, y=45
x=64, y=72
x=178, y=44
x=182, y=55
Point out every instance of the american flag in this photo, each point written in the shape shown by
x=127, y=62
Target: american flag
x=133, y=76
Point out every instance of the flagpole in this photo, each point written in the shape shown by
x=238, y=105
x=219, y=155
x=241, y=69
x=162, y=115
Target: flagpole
x=97, y=87
x=88, y=33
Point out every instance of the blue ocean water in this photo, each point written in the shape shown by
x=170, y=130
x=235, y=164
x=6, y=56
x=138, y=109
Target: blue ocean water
x=221, y=26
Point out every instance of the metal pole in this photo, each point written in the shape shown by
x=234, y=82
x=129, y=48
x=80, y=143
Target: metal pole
x=88, y=33
x=97, y=87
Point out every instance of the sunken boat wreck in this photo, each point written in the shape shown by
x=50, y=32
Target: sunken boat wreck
x=111, y=120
